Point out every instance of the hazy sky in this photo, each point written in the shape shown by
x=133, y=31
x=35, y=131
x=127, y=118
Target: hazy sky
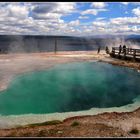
x=70, y=18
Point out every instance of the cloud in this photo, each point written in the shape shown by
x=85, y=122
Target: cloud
x=133, y=3
x=18, y=11
x=98, y=4
x=49, y=18
x=100, y=18
x=3, y=12
x=125, y=21
x=49, y=7
x=126, y=12
x=90, y=11
x=34, y=18
x=98, y=23
x=52, y=10
x=125, y=3
x=66, y=7
x=14, y=10
x=83, y=17
x=74, y=23
x=136, y=11
x=93, y=11
x=121, y=25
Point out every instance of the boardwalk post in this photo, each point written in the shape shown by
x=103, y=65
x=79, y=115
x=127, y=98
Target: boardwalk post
x=128, y=49
x=55, y=49
x=113, y=50
x=124, y=51
x=134, y=55
x=120, y=49
x=107, y=50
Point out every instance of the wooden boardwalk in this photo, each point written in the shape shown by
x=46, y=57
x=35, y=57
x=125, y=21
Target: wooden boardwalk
x=125, y=54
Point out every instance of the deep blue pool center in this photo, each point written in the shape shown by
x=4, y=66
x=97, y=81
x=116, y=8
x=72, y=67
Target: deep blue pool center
x=70, y=87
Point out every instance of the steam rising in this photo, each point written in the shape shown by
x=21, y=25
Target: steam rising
x=17, y=120
x=116, y=42
x=81, y=85
x=26, y=44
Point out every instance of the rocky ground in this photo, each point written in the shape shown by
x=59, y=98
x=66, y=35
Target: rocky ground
x=101, y=125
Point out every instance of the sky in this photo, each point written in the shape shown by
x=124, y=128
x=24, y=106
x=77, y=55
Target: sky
x=70, y=18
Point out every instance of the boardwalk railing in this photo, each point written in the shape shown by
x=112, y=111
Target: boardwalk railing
x=127, y=53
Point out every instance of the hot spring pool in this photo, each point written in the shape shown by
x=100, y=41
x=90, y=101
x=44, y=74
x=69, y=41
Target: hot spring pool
x=70, y=87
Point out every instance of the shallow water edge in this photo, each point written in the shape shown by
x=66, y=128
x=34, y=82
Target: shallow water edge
x=11, y=121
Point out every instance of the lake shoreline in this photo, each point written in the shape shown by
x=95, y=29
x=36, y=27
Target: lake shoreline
x=13, y=64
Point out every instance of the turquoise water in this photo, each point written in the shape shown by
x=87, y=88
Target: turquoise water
x=70, y=87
